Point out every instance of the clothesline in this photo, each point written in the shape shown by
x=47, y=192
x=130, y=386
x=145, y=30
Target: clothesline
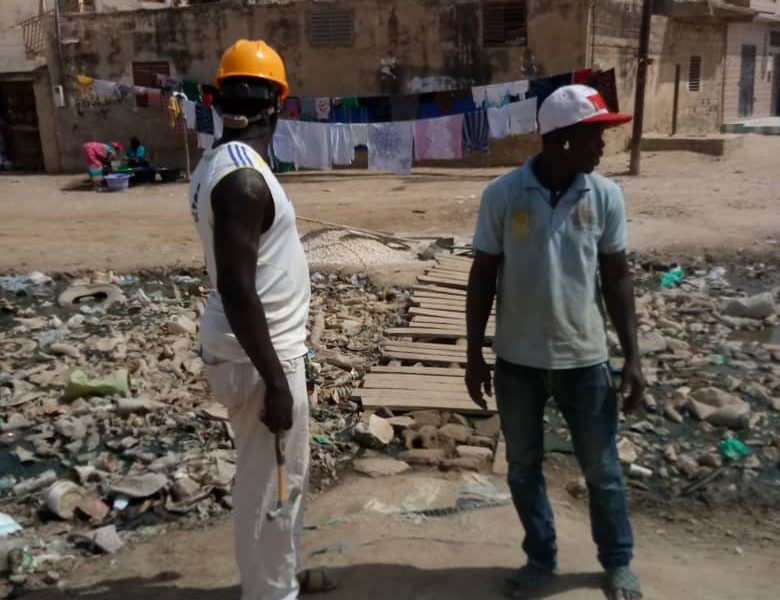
x=437, y=126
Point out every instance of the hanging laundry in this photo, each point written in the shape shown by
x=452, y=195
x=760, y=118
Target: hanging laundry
x=188, y=108
x=322, y=108
x=378, y=107
x=155, y=100
x=390, y=147
x=84, y=81
x=517, y=88
x=491, y=96
x=522, y=116
x=359, y=132
x=205, y=141
x=204, y=119
x=283, y=143
x=582, y=76
x=174, y=111
x=168, y=83
x=404, y=107
x=308, y=109
x=445, y=102
x=542, y=88
x=312, y=145
x=604, y=82
x=125, y=90
x=439, y=139
x=475, y=131
x=342, y=146
x=191, y=89
x=292, y=108
x=218, y=123
x=105, y=89
x=207, y=95
x=498, y=122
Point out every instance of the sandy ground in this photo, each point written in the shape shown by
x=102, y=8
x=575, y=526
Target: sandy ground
x=683, y=202
x=461, y=557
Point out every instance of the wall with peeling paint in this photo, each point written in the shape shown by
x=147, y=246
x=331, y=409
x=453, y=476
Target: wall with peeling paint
x=399, y=46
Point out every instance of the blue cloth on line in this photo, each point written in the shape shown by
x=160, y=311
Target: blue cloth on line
x=475, y=131
x=204, y=119
x=542, y=88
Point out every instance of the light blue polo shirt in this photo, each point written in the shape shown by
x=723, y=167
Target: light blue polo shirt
x=548, y=311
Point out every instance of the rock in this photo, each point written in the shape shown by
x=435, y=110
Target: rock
x=425, y=437
x=459, y=420
x=379, y=467
x=72, y=429
x=107, y=539
x=752, y=462
x=93, y=507
x=490, y=427
x=426, y=417
x=140, y=486
x=182, y=325
x=223, y=473
x=452, y=433
x=688, y=466
x=423, y=456
x=104, y=293
x=651, y=342
x=670, y=453
x=671, y=413
x=675, y=345
x=627, y=452
x=185, y=489
x=481, y=440
x=577, y=488
x=373, y=432
x=500, y=466
x=759, y=306
x=29, y=486
x=474, y=452
x=401, y=423
x=711, y=459
x=733, y=417
x=462, y=463
x=127, y=406
x=719, y=408
x=64, y=349
x=16, y=421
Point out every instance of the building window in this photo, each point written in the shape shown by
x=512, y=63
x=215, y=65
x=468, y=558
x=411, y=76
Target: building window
x=504, y=23
x=145, y=75
x=331, y=26
x=694, y=74
x=774, y=38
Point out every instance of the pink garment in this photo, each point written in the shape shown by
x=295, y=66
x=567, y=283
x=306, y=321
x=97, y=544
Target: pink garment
x=94, y=154
x=439, y=139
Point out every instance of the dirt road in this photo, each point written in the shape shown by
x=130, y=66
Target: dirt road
x=683, y=202
x=462, y=557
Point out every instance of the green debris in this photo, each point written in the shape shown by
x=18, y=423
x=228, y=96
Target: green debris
x=81, y=386
x=733, y=449
x=672, y=278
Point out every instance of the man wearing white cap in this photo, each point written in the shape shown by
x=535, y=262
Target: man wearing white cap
x=550, y=247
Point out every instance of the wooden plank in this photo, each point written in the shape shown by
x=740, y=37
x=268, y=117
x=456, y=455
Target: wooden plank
x=439, y=297
x=435, y=289
x=412, y=400
x=450, y=273
x=456, y=283
x=401, y=370
x=444, y=333
x=452, y=259
x=406, y=345
x=432, y=358
x=433, y=380
x=455, y=385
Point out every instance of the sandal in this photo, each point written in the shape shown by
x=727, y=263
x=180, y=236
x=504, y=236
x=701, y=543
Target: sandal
x=526, y=581
x=623, y=584
x=315, y=581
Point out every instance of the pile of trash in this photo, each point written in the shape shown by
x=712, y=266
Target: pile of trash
x=712, y=410
x=107, y=426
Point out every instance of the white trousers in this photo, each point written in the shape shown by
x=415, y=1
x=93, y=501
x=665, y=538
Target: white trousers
x=267, y=552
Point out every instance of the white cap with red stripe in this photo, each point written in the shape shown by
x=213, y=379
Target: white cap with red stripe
x=573, y=104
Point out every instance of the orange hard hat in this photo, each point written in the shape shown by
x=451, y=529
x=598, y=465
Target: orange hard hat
x=248, y=58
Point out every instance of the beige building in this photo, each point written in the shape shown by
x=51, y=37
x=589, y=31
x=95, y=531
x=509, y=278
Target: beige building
x=363, y=47
x=752, y=70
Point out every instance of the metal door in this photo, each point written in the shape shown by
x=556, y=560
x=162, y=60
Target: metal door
x=19, y=125
x=747, y=80
x=776, y=86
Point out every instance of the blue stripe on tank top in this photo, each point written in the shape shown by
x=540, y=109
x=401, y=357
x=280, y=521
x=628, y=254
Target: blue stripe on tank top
x=232, y=156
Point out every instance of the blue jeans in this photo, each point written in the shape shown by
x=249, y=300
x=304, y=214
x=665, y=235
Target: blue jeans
x=588, y=401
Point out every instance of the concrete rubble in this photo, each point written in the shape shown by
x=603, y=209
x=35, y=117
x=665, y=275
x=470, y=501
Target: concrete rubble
x=108, y=430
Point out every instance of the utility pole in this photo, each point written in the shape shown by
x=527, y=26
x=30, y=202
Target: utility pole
x=641, y=81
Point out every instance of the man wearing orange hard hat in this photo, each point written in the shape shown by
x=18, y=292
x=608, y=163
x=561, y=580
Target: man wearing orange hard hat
x=253, y=330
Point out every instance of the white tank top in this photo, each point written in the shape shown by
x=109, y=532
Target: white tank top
x=282, y=275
